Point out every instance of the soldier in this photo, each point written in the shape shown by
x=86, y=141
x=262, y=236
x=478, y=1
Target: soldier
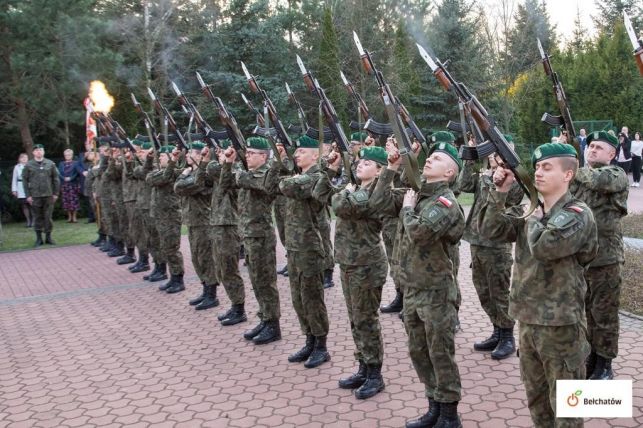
x=257, y=191
x=490, y=260
x=363, y=265
x=554, y=245
x=93, y=185
x=324, y=228
x=142, y=208
x=130, y=192
x=279, y=206
x=42, y=185
x=306, y=253
x=224, y=230
x=104, y=194
x=166, y=211
x=604, y=188
x=114, y=180
x=150, y=168
x=196, y=216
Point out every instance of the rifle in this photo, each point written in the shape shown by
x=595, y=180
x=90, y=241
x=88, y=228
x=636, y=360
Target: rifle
x=377, y=128
x=261, y=121
x=565, y=118
x=300, y=111
x=487, y=125
x=167, y=117
x=637, y=43
x=228, y=121
x=304, y=128
x=210, y=136
x=113, y=128
x=149, y=125
x=395, y=114
x=468, y=128
x=329, y=113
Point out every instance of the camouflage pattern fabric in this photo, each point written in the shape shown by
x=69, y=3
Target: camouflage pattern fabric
x=139, y=232
x=40, y=179
x=307, y=291
x=279, y=212
x=43, y=208
x=114, y=184
x=130, y=235
x=201, y=251
x=225, y=245
x=170, y=244
x=262, y=269
x=152, y=235
x=601, y=306
x=491, y=275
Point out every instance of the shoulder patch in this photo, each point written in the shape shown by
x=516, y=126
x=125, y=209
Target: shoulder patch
x=444, y=201
x=562, y=219
x=575, y=208
x=433, y=215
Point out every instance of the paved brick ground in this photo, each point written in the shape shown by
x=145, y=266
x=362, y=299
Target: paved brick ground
x=78, y=350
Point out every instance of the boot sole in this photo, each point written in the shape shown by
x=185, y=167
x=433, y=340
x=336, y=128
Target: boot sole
x=227, y=322
x=364, y=397
x=327, y=359
x=157, y=279
x=194, y=302
x=204, y=307
x=140, y=270
x=265, y=342
x=498, y=358
x=174, y=290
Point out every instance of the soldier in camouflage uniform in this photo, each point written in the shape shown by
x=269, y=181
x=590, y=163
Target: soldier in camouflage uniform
x=257, y=191
x=324, y=228
x=548, y=289
x=431, y=224
x=165, y=209
x=363, y=265
x=196, y=216
x=306, y=252
x=490, y=260
x=42, y=185
x=130, y=191
x=159, y=273
x=279, y=206
x=142, y=207
x=224, y=230
x=114, y=185
x=104, y=194
x=604, y=188
x=92, y=182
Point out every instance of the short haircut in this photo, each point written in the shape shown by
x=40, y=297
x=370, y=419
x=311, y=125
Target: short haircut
x=569, y=163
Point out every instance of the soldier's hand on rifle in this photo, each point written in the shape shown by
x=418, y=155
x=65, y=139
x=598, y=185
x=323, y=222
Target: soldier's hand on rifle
x=394, y=159
x=410, y=199
x=187, y=171
x=175, y=154
x=472, y=141
x=334, y=160
x=150, y=154
x=281, y=151
x=205, y=155
x=503, y=179
x=230, y=155
x=416, y=147
x=369, y=141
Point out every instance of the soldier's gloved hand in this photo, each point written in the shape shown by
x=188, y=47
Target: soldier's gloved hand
x=410, y=199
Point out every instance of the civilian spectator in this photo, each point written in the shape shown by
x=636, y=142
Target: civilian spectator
x=636, y=149
x=18, y=190
x=623, y=155
x=70, y=188
x=582, y=144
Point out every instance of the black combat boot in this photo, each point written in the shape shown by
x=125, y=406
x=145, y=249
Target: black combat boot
x=225, y=315
x=590, y=363
x=237, y=315
x=119, y=250
x=395, y=305
x=209, y=298
x=319, y=355
x=107, y=245
x=506, y=344
x=154, y=271
x=38, y=239
x=176, y=284
x=303, y=353
x=328, y=278
x=356, y=379
x=602, y=369
x=490, y=343
x=143, y=264
x=449, y=416
x=374, y=382
x=198, y=299
x=129, y=257
x=99, y=241
x=283, y=270
x=427, y=420
x=270, y=333
x=160, y=275
x=48, y=239
x=254, y=331
x=242, y=252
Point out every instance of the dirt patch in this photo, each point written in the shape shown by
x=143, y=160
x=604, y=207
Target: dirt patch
x=632, y=290
x=633, y=226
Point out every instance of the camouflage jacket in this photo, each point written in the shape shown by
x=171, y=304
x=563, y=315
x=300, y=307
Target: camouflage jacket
x=104, y=191
x=40, y=179
x=547, y=286
x=114, y=178
x=358, y=240
x=131, y=187
x=256, y=194
x=605, y=191
x=425, y=234
x=196, y=199
x=303, y=212
x=94, y=180
x=225, y=209
x=164, y=203
x=144, y=193
x=480, y=183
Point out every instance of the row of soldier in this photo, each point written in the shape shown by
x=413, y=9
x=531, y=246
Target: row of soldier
x=566, y=272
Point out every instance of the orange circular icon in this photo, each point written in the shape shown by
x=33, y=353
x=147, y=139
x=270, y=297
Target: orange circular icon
x=572, y=400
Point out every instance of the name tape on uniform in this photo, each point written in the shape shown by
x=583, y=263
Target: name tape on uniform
x=594, y=398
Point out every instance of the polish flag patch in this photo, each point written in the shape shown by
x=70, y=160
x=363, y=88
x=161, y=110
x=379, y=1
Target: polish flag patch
x=575, y=208
x=444, y=201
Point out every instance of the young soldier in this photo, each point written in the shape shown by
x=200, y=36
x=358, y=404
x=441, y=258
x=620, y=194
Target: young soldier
x=490, y=260
x=196, y=216
x=604, y=188
x=144, y=241
x=360, y=253
x=256, y=194
x=105, y=196
x=130, y=192
x=553, y=247
x=306, y=253
x=42, y=185
x=166, y=211
x=431, y=224
x=114, y=180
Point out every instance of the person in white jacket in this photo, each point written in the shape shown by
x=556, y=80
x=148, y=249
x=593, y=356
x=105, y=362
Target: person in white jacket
x=18, y=191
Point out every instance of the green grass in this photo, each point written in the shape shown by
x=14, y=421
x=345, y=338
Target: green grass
x=633, y=226
x=465, y=199
x=18, y=237
x=631, y=290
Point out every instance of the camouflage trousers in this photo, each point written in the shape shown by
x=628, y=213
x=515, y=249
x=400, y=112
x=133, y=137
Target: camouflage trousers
x=127, y=231
x=430, y=319
x=201, y=251
x=454, y=255
x=139, y=233
x=225, y=246
x=548, y=353
x=152, y=235
x=601, y=306
x=262, y=269
x=362, y=287
x=279, y=211
x=43, y=208
x=307, y=291
x=98, y=212
x=170, y=238
x=329, y=260
x=389, y=229
x=491, y=275
x=113, y=220
x=105, y=216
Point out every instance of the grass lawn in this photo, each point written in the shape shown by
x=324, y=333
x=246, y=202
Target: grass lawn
x=633, y=226
x=631, y=289
x=465, y=199
x=18, y=237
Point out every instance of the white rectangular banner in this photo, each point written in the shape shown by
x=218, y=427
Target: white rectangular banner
x=594, y=398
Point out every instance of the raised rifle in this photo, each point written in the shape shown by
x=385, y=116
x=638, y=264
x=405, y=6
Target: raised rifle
x=261, y=121
x=210, y=136
x=149, y=125
x=487, y=125
x=372, y=126
x=329, y=113
x=637, y=42
x=113, y=128
x=167, y=117
x=228, y=121
x=395, y=117
x=468, y=128
x=304, y=128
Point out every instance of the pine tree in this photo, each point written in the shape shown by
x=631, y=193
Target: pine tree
x=329, y=67
x=610, y=12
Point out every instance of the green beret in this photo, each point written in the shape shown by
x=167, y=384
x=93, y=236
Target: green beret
x=197, y=145
x=137, y=142
x=167, y=149
x=38, y=146
x=449, y=149
x=258, y=143
x=602, y=136
x=103, y=143
x=305, y=142
x=374, y=153
x=359, y=136
x=146, y=145
x=224, y=144
x=442, y=137
x=509, y=138
x=553, y=150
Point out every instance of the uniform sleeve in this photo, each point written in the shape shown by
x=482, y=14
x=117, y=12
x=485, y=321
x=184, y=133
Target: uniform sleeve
x=213, y=172
x=515, y=195
x=385, y=199
x=324, y=190
x=226, y=180
x=299, y=187
x=186, y=185
x=469, y=178
x=430, y=224
x=608, y=179
x=26, y=176
x=566, y=234
x=494, y=223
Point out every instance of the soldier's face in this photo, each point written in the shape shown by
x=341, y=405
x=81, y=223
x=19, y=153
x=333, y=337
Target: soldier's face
x=439, y=167
x=141, y=154
x=256, y=158
x=600, y=152
x=305, y=158
x=38, y=153
x=551, y=176
x=367, y=170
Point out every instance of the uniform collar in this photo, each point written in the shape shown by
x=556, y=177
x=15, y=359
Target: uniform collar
x=567, y=197
x=429, y=189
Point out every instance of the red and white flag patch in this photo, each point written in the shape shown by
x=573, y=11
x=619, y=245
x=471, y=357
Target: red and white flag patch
x=575, y=208
x=444, y=201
